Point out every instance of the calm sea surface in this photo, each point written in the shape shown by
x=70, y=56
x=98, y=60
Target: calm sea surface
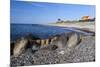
x=42, y=31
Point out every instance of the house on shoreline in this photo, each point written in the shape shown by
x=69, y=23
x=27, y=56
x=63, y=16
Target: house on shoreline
x=87, y=19
x=83, y=19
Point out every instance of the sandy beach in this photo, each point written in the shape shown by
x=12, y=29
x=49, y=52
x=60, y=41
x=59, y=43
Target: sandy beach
x=82, y=25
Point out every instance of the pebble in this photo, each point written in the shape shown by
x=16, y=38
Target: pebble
x=84, y=52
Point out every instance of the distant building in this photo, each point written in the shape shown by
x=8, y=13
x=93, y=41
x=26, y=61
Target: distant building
x=86, y=18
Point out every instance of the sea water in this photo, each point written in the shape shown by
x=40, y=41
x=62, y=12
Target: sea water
x=41, y=31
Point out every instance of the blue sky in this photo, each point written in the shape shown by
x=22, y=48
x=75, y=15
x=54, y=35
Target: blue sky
x=44, y=13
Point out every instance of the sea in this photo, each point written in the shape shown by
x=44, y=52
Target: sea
x=39, y=30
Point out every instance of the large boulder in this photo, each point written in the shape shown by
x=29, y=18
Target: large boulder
x=60, y=41
x=73, y=40
x=24, y=43
x=67, y=40
x=19, y=46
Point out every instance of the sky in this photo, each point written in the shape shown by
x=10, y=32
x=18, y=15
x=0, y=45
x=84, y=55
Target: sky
x=44, y=13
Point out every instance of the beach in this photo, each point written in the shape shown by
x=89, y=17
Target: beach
x=44, y=33
x=82, y=52
x=82, y=25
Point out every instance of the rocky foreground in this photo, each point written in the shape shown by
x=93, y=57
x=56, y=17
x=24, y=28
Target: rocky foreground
x=83, y=52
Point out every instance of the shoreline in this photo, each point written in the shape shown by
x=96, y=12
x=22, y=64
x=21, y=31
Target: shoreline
x=81, y=25
x=82, y=52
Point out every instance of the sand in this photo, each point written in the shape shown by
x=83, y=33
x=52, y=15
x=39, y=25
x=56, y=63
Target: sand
x=87, y=25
